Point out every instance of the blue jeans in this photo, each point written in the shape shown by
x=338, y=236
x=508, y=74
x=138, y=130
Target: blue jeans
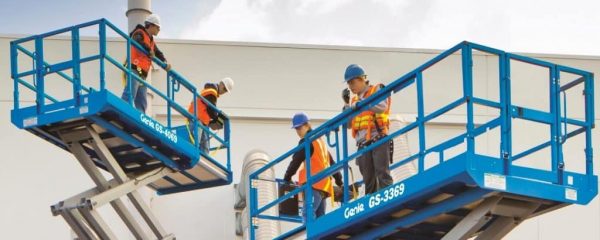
x=204, y=146
x=203, y=136
x=318, y=204
x=138, y=92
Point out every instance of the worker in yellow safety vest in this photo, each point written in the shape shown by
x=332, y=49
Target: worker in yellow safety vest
x=320, y=159
x=367, y=128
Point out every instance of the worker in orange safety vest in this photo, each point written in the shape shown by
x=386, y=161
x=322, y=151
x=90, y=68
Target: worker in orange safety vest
x=320, y=160
x=208, y=116
x=142, y=62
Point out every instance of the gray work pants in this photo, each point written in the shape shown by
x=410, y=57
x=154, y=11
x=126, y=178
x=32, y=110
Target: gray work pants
x=374, y=166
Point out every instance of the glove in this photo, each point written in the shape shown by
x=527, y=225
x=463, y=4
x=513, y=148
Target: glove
x=215, y=124
x=346, y=95
x=288, y=182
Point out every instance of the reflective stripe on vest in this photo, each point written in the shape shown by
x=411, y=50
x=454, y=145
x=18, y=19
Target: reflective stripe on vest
x=138, y=58
x=364, y=120
x=202, y=113
x=319, y=161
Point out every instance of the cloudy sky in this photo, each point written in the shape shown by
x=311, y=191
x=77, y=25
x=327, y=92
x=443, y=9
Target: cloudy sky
x=538, y=26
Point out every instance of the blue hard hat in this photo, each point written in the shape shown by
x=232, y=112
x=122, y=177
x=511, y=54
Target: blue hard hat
x=353, y=71
x=299, y=119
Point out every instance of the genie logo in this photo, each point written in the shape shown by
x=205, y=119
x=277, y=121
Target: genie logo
x=353, y=211
x=159, y=128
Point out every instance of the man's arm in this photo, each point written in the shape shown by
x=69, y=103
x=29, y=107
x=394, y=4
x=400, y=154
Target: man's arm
x=381, y=106
x=159, y=54
x=346, y=98
x=211, y=112
x=349, y=123
x=213, y=100
x=297, y=160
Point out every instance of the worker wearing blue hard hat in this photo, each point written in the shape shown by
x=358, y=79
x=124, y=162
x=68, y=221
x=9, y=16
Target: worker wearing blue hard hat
x=353, y=71
x=368, y=127
x=320, y=160
x=299, y=119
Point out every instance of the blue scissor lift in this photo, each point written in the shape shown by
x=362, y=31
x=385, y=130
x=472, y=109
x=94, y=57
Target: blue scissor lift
x=106, y=133
x=468, y=195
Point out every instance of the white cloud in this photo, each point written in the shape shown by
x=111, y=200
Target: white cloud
x=550, y=26
x=308, y=7
x=570, y=27
x=231, y=20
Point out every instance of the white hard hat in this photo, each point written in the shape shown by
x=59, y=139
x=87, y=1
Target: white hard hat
x=154, y=19
x=228, y=83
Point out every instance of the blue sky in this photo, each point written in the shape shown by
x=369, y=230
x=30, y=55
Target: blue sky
x=538, y=26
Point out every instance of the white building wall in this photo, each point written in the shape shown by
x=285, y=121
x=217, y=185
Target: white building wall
x=273, y=81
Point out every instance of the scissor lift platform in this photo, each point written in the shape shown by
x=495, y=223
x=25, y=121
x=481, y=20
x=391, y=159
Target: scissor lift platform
x=452, y=201
x=133, y=138
x=105, y=132
x=473, y=193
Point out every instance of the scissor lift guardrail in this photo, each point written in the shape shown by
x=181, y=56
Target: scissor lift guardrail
x=104, y=132
x=467, y=195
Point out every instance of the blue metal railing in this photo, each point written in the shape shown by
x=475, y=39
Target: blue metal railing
x=552, y=117
x=41, y=68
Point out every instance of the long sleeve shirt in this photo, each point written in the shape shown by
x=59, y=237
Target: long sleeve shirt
x=137, y=36
x=299, y=157
x=377, y=108
x=213, y=100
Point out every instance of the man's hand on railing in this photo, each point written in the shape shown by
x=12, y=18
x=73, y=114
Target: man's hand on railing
x=289, y=183
x=287, y=180
x=217, y=123
x=168, y=67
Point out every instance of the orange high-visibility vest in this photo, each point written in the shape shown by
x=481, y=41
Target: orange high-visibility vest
x=202, y=113
x=364, y=120
x=319, y=161
x=138, y=58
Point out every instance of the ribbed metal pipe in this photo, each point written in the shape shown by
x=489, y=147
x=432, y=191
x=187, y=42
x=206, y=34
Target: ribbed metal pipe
x=267, y=192
x=401, y=151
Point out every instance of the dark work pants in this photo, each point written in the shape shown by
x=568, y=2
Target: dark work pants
x=374, y=166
